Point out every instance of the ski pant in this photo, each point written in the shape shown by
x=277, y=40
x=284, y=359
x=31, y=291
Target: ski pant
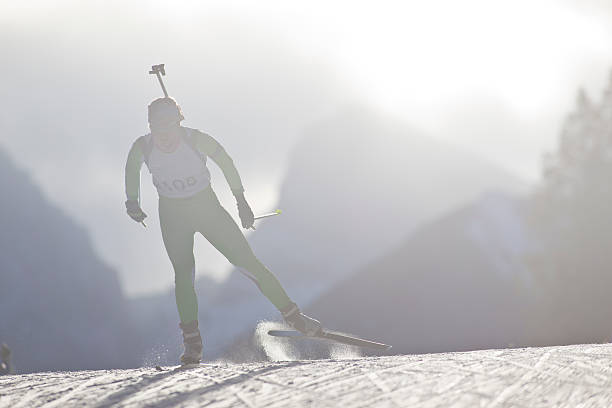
x=180, y=219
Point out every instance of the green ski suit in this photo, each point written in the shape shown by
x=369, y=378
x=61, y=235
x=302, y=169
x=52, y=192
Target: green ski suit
x=182, y=217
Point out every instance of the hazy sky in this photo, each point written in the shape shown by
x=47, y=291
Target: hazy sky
x=495, y=77
x=437, y=63
x=425, y=61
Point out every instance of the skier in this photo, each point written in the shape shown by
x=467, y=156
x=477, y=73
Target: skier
x=5, y=358
x=176, y=157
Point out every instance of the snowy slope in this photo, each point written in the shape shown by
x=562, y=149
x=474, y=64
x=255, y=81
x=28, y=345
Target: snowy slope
x=568, y=376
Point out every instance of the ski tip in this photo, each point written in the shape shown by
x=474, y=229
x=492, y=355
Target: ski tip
x=278, y=211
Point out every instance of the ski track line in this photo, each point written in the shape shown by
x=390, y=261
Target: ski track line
x=414, y=397
x=442, y=397
x=511, y=389
x=255, y=377
x=37, y=381
x=40, y=390
x=605, y=376
x=207, y=390
x=330, y=376
x=598, y=348
x=335, y=398
x=244, y=400
x=286, y=387
x=448, y=393
x=152, y=393
x=548, y=373
x=380, y=384
x=588, y=371
x=588, y=353
x=24, y=401
x=28, y=393
x=443, y=392
x=352, y=378
x=421, y=392
x=237, y=394
x=377, y=381
x=131, y=390
x=303, y=392
x=73, y=391
x=76, y=385
x=211, y=391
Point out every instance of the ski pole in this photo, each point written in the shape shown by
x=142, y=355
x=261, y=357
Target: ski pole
x=159, y=70
x=268, y=215
x=265, y=216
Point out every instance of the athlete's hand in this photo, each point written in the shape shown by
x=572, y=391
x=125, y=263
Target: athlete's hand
x=244, y=211
x=134, y=210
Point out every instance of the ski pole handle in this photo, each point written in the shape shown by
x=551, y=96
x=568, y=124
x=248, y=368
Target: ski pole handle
x=159, y=70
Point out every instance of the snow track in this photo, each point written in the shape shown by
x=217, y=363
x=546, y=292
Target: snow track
x=567, y=376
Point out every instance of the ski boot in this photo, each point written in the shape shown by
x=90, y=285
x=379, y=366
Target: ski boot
x=300, y=322
x=192, y=342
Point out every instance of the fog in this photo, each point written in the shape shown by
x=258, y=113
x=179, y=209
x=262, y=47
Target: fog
x=76, y=89
x=488, y=83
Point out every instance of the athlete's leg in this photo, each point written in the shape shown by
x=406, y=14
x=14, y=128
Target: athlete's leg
x=220, y=229
x=177, y=234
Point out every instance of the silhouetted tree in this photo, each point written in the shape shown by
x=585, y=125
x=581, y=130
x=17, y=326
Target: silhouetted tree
x=572, y=213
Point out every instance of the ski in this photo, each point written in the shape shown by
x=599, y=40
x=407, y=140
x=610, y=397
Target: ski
x=332, y=336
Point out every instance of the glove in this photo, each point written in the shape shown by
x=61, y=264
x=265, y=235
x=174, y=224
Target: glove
x=244, y=210
x=134, y=210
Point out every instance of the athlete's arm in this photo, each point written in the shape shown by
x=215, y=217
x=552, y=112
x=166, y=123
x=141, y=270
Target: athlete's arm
x=132, y=183
x=132, y=172
x=213, y=149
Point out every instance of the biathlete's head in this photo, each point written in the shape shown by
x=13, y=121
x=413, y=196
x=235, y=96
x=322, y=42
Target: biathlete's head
x=164, y=115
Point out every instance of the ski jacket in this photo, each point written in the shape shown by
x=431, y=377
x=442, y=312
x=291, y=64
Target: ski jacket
x=183, y=172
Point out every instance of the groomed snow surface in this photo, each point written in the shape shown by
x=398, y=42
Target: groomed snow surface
x=567, y=376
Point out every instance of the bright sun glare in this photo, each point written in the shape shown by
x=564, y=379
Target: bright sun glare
x=413, y=54
x=422, y=53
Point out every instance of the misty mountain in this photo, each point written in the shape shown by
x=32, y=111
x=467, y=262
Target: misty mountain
x=457, y=284
x=357, y=184
x=61, y=306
